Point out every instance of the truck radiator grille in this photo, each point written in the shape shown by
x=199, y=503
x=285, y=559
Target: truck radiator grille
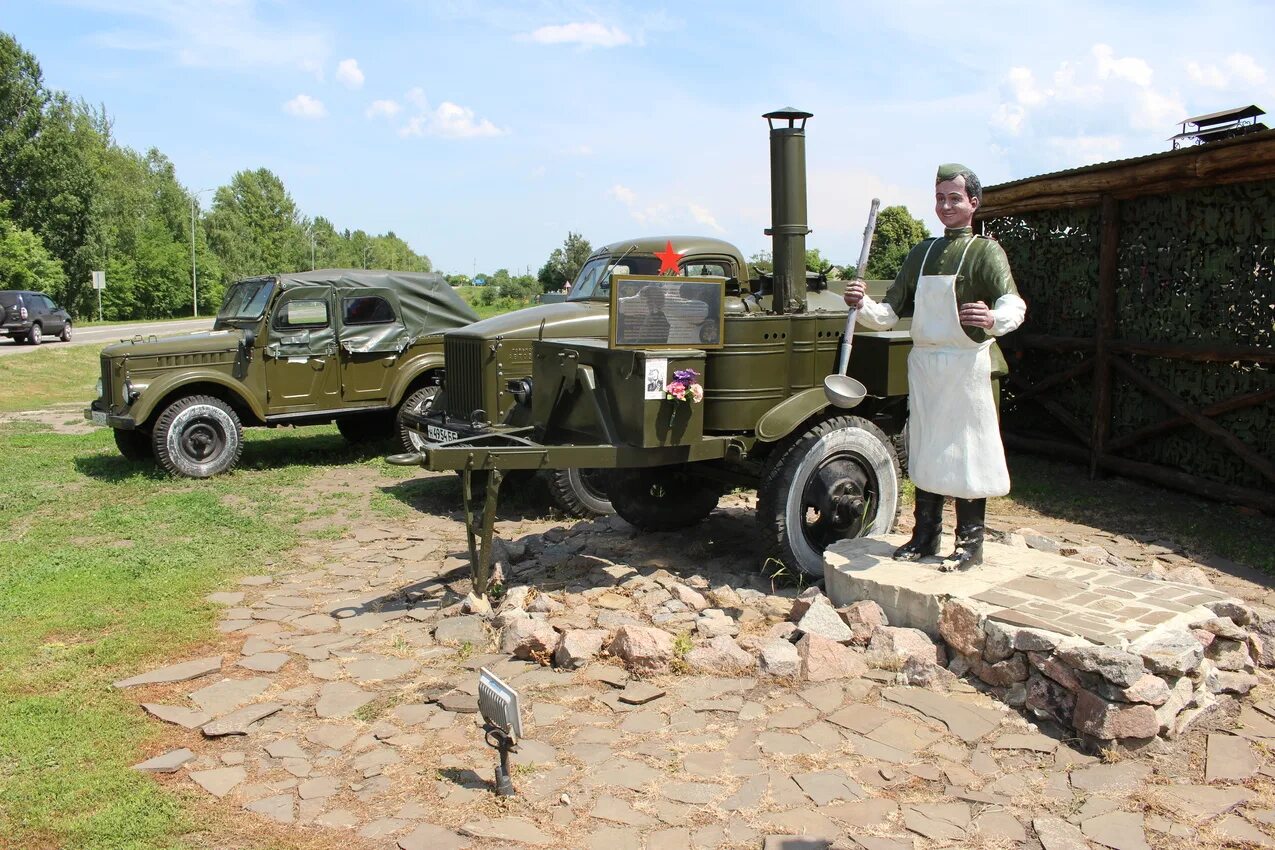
x=464, y=364
x=108, y=392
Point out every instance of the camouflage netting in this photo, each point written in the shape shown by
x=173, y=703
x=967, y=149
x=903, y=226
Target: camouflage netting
x=1194, y=267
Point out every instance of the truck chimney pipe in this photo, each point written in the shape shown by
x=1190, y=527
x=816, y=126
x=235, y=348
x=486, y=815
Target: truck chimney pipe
x=788, y=227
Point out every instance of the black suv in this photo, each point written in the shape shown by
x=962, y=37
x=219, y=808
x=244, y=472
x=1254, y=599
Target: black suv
x=30, y=316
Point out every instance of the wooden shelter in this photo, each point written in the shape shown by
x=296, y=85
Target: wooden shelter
x=1150, y=334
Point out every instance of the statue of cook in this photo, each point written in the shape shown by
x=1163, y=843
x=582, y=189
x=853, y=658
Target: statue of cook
x=954, y=444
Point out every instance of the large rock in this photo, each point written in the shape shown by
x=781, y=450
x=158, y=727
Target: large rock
x=577, y=647
x=823, y=659
x=713, y=622
x=1262, y=649
x=898, y=645
x=778, y=657
x=802, y=603
x=1047, y=698
x=1150, y=689
x=1230, y=654
x=643, y=647
x=465, y=629
x=1174, y=653
x=720, y=655
x=693, y=599
x=1110, y=720
x=823, y=620
x=959, y=626
x=863, y=617
x=1115, y=665
x=1002, y=674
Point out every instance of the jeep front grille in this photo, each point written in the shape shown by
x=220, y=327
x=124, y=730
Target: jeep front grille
x=464, y=365
x=108, y=392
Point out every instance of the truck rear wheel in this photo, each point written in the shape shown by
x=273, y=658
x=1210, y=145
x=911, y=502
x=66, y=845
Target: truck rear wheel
x=580, y=492
x=197, y=437
x=838, y=480
x=133, y=445
x=662, y=498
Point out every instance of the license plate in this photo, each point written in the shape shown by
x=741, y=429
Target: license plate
x=99, y=417
x=441, y=435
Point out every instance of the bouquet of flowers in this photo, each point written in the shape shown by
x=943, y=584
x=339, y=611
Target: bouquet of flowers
x=685, y=386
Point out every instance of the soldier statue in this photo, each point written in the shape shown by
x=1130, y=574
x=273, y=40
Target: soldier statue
x=954, y=442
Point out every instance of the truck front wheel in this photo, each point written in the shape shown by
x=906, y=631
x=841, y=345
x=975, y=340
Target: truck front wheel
x=133, y=445
x=419, y=402
x=581, y=493
x=838, y=480
x=662, y=498
x=197, y=437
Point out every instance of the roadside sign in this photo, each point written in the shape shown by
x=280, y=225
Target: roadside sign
x=99, y=280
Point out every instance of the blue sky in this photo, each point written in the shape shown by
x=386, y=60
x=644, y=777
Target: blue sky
x=482, y=131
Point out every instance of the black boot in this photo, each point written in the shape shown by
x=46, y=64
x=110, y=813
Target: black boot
x=929, y=525
x=970, y=525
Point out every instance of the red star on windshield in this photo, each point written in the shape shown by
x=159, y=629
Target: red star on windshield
x=668, y=258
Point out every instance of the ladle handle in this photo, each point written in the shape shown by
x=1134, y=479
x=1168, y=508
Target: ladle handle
x=859, y=271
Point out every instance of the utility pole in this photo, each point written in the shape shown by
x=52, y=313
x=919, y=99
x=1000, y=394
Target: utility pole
x=194, y=273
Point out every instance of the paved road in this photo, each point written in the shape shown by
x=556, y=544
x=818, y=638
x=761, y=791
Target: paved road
x=111, y=333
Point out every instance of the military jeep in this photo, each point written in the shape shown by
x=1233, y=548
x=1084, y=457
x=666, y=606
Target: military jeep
x=353, y=346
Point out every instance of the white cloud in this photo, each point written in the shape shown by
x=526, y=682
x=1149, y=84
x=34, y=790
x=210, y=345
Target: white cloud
x=1240, y=69
x=663, y=215
x=1129, y=68
x=1023, y=83
x=304, y=106
x=589, y=34
x=383, y=109
x=580, y=150
x=349, y=74
x=229, y=35
x=416, y=97
x=449, y=120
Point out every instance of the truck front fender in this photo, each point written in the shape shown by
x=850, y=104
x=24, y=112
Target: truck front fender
x=780, y=420
x=165, y=385
x=415, y=366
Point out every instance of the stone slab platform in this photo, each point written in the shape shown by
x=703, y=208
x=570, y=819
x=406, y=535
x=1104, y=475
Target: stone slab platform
x=1015, y=585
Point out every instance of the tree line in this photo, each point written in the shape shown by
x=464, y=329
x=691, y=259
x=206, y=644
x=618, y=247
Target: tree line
x=74, y=200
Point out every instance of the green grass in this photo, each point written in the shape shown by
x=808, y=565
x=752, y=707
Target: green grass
x=49, y=375
x=106, y=569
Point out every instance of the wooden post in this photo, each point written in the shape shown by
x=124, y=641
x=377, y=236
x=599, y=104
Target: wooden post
x=1104, y=329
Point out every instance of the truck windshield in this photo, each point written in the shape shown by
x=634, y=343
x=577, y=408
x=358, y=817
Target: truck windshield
x=590, y=285
x=246, y=300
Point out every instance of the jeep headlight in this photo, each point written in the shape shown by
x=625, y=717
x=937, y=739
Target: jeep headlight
x=101, y=388
x=132, y=391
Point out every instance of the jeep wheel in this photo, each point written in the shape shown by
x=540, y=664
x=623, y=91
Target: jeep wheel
x=360, y=428
x=134, y=445
x=36, y=335
x=197, y=437
x=580, y=493
x=839, y=479
x=65, y=336
x=419, y=402
x=662, y=498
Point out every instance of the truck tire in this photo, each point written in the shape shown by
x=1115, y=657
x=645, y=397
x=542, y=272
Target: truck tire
x=580, y=493
x=900, y=443
x=837, y=480
x=418, y=402
x=360, y=428
x=134, y=445
x=198, y=436
x=662, y=498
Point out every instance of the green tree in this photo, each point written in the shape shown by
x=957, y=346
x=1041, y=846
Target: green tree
x=24, y=261
x=254, y=227
x=564, y=263
x=897, y=233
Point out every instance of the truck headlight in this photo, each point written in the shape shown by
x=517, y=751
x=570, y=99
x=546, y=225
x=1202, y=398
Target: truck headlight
x=520, y=389
x=132, y=391
x=101, y=388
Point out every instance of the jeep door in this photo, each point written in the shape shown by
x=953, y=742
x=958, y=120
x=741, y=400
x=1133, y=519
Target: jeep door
x=371, y=336
x=300, y=354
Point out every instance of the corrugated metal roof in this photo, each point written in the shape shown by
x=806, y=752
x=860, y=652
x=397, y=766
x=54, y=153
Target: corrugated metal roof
x=1122, y=163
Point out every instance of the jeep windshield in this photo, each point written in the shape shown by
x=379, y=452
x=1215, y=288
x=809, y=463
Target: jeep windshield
x=591, y=285
x=246, y=300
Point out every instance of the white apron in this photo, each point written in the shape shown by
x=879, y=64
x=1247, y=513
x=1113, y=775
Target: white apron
x=954, y=437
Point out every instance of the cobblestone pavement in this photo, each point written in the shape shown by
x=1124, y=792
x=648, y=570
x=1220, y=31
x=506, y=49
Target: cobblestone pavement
x=344, y=704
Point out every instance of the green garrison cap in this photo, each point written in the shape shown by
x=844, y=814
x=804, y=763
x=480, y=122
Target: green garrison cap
x=950, y=171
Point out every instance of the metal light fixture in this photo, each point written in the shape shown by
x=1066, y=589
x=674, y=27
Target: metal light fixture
x=502, y=723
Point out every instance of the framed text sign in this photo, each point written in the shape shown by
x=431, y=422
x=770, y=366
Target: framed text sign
x=667, y=312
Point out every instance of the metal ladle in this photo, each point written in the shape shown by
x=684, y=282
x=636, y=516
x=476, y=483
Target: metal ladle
x=842, y=390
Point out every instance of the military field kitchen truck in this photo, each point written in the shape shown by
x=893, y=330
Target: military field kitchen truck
x=591, y=396
x=352, y=346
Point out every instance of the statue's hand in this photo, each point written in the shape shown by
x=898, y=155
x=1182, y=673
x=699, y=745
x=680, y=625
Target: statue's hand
x=854, y=293
x=976, y=315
